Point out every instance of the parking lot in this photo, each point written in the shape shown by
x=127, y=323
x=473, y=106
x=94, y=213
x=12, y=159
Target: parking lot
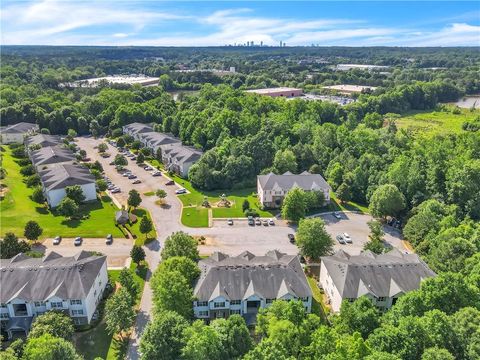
x=117, y=253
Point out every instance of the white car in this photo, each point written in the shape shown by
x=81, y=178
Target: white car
x=271, y=222
x=230, y=222
x=337, y=214
x=57, y=240
x=180, y=191
x=347, y=238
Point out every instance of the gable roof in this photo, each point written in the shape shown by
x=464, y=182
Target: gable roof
x=38, y=279
x=270, y=276
x=51, y=155
x=43, y=140
x=383, y=275
x=156, y=138
x=183, y=154
x=287, y=181
x=138, y=128
x=59, y=176
x=20, y=128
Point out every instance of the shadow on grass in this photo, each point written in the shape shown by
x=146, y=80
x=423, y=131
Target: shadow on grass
x=41, y=210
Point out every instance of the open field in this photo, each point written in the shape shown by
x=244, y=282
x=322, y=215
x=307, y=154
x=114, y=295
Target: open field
x=436, y=122
x=17, y=208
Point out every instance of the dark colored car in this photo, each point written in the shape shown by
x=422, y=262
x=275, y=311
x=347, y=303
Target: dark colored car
x=109, y=239
x=291, y=238
x=171, y=182
x=77, y=241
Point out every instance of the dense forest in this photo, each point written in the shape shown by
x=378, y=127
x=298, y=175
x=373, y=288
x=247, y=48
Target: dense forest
x=357, y=148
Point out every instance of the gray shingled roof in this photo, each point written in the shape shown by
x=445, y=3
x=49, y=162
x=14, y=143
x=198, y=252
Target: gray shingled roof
x=137, y=127
x=287, y=181
x=51, y=155
x=20, y=128
x=38, y=279
x=43, y=140
x=271, y=276
x=159, y=138
x=183, y=153
x=383, y=275
x=59, y=176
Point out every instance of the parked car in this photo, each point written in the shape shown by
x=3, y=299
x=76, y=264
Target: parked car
x=258, y=221
x=132, y=176
x=347, y=238
x=171, y=182
x=251, y=221
x=77, y=241
x=138, y=181
x=115, y=190
x=111, y=163
x=157, y=173
x=337, y=214
x=340, y=239
x=302, y=259
x=147, y=168
x=291, y=237
x=133, y=158
x=126, y=174
x=180, y=191
x=271, y=222
x=111, y=187
x=230, y=221
x=265, y=222
x=57, y=240
x=109, y=239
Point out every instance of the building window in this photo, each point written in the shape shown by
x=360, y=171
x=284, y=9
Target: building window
x=3, y=306
x=304, y=299
x=232, y=312
x=77, y=321
x=203, y=313
x=77, y=312
x=235, y=302
x=56, y=305
x=219, y=304
x=75, y=302
x=202, y=303
x=381, y=298
x=4, y=315
x=40, y=303
x=269, y=301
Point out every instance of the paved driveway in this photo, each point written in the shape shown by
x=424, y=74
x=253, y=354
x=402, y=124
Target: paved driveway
x=117, y=254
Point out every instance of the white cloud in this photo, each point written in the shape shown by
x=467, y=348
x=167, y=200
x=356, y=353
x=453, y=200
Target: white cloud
x=62, y=22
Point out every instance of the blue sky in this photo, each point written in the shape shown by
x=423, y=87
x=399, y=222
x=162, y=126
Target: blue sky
x=198, y=23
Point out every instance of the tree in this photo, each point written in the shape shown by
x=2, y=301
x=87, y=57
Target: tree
x=180, y=244
x=386, y=200
x=47, y=347
x=54, y=323
x=32, y=180
x=172, y=291
x=126, y=280
x=71, y=133
x=137, y=254
x=375, y=244
x=294, y=205
x=234, y=336
x=201, y=342
x=27, y=170
x=120, y=160
x=10, y=246
x=140, y=158
x=451, y=255
x=161, y=194
x=119, y=313
x=245, y=205
x=163, y=337
x=285, y=161
x=187, y=267
x=146, y=226
x=344, y=193
x=360, y=316
x=67, y=207
x=38, y=196
x=121, y=142
x=75, y=193
x=134, y=199
x=32, y=230
x=136, y=145
x=435, y=353
x=312, y=238
x=101, y=185
x=102, y=147
x=83, y=154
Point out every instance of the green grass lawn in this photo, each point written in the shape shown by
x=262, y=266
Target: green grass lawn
x=317, y=303
x=135, y=228
x=436, y=122
x=195, y=216
x=17, y=208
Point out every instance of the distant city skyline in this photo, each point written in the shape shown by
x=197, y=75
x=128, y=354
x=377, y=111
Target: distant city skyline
x=219, y=23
